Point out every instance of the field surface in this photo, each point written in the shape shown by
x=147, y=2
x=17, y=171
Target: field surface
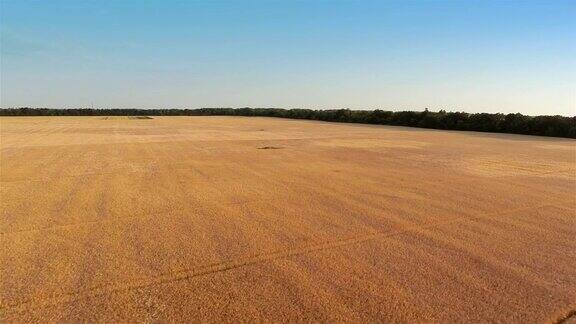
x=232, y=218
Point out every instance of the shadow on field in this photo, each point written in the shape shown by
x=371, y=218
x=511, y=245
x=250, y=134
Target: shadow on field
x=269, y=148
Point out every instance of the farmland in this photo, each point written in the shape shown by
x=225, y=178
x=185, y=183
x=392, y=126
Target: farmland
x=247, y=218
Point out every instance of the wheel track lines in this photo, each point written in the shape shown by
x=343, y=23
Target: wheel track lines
x=59, y=206
x=525, y=224
x=243, y=170
x=291, y=273
x=275, y=253
x=528, y=277
x=538, y=190
x=90, y=222
x=227, y=265
x=485, y=258
x=191, y=273
x=466, y=247
x=535, y=186
x=52, y=159
x=67, y=198
x=104, y=221
x=336, y=244
x=448, y=191
x=77, y=178
x=243, y=223
x=82, y=175
x=451, y=273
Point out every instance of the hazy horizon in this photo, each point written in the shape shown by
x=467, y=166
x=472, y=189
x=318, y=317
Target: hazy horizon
x=474, y=56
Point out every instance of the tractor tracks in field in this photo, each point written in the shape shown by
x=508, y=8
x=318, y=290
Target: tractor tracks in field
x=218, y=267
x=198, y=272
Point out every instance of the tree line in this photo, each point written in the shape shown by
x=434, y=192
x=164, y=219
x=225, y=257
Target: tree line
x=556, y=126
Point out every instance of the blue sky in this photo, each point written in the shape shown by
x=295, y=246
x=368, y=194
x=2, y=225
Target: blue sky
x=490, y=56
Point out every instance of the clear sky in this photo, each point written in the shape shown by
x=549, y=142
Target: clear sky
x=489, y=56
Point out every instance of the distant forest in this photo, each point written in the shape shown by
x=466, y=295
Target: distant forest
x=557, y=126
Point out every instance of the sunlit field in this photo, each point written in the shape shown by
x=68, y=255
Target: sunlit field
x=237, y=218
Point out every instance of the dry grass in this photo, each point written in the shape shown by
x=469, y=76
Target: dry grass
x=184, y=218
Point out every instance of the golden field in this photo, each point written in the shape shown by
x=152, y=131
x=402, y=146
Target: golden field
x=235, y=218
